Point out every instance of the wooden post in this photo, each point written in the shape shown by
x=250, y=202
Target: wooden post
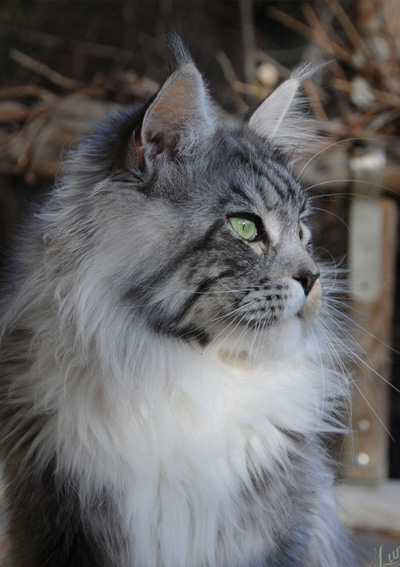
x=372, y=252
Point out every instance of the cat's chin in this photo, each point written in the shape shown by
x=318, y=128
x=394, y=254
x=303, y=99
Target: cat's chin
x=284, y=340
x=288, y=338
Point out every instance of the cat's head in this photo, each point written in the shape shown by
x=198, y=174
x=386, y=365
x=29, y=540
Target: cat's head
x=201, y=226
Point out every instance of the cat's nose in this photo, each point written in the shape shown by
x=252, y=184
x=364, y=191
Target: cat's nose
x=307, y=280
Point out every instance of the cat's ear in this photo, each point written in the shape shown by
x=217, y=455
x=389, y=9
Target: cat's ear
x=179, y=116
x=281, y=119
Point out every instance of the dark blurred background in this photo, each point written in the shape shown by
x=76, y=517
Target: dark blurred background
x=84, y=40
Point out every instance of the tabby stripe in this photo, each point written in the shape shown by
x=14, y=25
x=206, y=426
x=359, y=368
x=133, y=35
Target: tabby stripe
x=285, y=186
x=261, y=169
x=186, y=332
x=278, y=184
x=267, y=170
x=152, y=284
x=280, y=171
x=201, y=289
x=196, y=295
x=283, y=172
x=269, y=162
x=287, y=178
x=193, y=247
x=240, y=192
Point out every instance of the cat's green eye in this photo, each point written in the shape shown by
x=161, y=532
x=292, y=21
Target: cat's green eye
x=244, y=227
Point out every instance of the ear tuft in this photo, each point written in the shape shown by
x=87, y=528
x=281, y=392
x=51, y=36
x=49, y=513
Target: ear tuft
x=177, y=51
x=281, y=118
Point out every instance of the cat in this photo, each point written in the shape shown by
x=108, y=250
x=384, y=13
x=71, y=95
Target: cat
x=167, y=384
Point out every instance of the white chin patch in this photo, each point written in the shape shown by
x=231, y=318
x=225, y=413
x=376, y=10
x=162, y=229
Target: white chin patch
x=280, y=341
x=286, y=338
x=295, y=301
x=289, y=337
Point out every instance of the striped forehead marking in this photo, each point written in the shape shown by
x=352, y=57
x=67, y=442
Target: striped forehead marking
x=281, y=180
x=275, y=175
x=264, y=180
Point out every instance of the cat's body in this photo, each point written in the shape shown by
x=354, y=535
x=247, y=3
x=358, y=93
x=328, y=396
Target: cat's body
x=165, y=385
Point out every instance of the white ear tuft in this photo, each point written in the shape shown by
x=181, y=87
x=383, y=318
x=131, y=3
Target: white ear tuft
x=279, y=118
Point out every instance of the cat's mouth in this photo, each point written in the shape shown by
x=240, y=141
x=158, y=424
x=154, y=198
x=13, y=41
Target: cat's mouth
x=267, y=320
x=294, y=303
x=276, y=336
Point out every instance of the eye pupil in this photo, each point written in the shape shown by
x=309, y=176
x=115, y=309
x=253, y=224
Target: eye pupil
x=301, y=234
x=245, y=228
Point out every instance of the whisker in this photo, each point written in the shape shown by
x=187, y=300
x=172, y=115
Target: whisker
x=319, y=154
x=333, y=181
x=354, y=323
x=227, y=315
x=261, y=333
x=224, y=330
x=335, y=362
x=354, y=383
x=313, y=209
x=362, y=362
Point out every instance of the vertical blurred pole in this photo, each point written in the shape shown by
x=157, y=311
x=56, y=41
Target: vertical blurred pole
x=248, y=40
x=372, y=251
x=372, y=254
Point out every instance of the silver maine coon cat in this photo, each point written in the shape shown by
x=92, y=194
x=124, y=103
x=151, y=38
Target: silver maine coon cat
x=166, y=384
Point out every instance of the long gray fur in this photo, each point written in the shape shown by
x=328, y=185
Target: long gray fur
x=167, y=385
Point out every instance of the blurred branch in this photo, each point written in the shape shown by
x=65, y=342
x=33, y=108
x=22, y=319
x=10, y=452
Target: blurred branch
x=51, y=41
x=382, y=96
x=370, y=16
x=315, y=24
x=349, y=28
x=230, y=75
x=44, y=70
x=23, y=91
x=325, y=43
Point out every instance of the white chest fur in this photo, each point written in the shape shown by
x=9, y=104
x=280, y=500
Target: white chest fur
x=177, y=449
